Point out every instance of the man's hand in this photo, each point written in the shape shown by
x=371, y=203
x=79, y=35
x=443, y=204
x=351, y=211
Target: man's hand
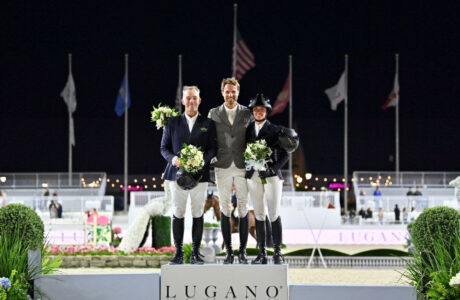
x=176, y=161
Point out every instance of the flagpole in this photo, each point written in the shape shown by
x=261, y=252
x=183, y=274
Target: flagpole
x=291, y=175
x=235, y=9
x=178, y=103
x=397, y=117
x=70, y=124
x=345, y=142
x=126, y=136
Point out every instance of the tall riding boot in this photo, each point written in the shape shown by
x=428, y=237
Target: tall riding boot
x=261, y=258
x=226, y=227
x=178, y=234
x=268, y=233
x=277, y=240
x=244, y=232
x=197, y=233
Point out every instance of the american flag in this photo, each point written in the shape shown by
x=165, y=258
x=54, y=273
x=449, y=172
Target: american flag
x=244, y=60
x=282, y=100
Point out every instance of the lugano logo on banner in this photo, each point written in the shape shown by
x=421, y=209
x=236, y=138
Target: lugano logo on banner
x=224, y=282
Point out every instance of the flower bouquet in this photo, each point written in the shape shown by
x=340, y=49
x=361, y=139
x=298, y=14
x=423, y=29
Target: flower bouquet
x=161, y=115
x=257, y=156
x=191, y=158
x=191, y=161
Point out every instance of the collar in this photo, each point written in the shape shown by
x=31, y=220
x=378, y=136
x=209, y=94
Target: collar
x=230, y=109
x=191, y=119
x=261, y=125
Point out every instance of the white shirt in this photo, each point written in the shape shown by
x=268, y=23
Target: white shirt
x=257, y=128
x=191, y=121
x=231, y=113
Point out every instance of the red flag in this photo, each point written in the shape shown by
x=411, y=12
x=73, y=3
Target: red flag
x=282, y=100
x=393, y=98
x=244, y=58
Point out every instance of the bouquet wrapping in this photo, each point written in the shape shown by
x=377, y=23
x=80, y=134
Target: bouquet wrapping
x=256, y=156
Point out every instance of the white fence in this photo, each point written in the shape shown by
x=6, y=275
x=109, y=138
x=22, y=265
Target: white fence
x=298, y=209
x=403, y=179
x=419, y=202
x=90, y=180
x=359, y=262
x=73, y=206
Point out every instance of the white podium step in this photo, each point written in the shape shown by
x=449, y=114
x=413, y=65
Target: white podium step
x=224, y=282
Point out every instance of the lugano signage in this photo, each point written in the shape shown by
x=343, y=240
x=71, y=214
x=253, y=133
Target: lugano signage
x=224, y=282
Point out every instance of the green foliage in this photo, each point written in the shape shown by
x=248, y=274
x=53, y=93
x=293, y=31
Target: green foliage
x=161, y=231
x=210, y=224
x=187, y=252
x=20, y=218
x=18, y=288
x=435, y=224
x=383, y=252
x=13, y=256
x=430, y=274
x=307, y=252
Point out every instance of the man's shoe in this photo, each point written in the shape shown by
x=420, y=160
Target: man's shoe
x=261, y=259
x=242, y=259
x=195, y=258
x=229, y=258
x=278, y=258
x=178, y=259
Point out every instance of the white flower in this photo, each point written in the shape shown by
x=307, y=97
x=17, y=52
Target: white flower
x=455, y=281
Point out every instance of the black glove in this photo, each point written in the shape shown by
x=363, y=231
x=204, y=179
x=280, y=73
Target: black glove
x=263, y=174
x=270, y=170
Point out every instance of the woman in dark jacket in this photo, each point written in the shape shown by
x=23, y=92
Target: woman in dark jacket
x=270, y=192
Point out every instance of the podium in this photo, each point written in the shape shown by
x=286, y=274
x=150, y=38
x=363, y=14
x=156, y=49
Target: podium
x=215, y=281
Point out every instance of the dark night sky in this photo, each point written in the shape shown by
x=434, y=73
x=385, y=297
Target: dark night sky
x=37, y=35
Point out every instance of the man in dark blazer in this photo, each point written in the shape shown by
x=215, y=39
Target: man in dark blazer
x=231, y=120
x=190, y=128
x=270, y=192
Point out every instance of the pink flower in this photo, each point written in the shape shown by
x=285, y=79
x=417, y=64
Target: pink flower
x=116, y=230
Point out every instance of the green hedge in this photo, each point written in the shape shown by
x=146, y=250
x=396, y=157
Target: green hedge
x=307, y=252
x=17, y=218
x=161, y=231
x=330, y=252
x=382, y=252
x=437, y=223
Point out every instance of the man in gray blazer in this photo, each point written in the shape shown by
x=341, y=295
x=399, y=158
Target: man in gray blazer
x=231, y=120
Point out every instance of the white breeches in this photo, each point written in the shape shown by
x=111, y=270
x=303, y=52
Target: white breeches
x=197, y=199
x=269, y=193
x=224, y=180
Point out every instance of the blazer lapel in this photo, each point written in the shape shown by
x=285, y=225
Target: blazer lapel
x=196, y=126
x=223, y=115
x=252, y=132
x=263, y=130
x=238, y=115
x=184, y=127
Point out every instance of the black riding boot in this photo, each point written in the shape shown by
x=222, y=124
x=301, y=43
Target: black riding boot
x=277, y=240
x=197, y=233
x=261, y=258
x=178, y=234
x=244, y=232
x=268, y=233
x=226, y=227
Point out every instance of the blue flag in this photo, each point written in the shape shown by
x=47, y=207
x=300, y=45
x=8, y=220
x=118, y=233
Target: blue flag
x=120, y=104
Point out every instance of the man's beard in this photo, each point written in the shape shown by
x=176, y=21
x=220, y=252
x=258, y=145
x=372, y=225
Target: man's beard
x=261, y=120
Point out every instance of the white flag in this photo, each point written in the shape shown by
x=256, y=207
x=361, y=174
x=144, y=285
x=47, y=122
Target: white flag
x=338, y=92
x=69, y=96
x=393, y=98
